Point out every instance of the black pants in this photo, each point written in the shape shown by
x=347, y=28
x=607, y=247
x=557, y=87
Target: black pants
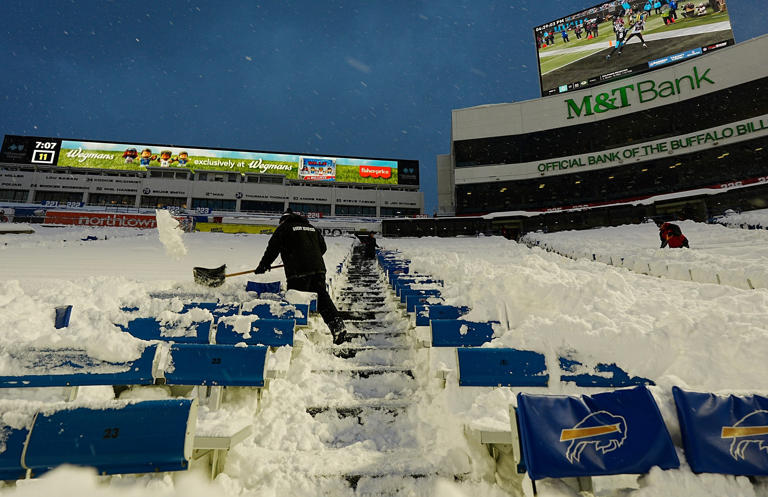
x=634, y=34
x=316, y=283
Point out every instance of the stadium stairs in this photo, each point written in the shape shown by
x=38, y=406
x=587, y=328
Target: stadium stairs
x=377, y=361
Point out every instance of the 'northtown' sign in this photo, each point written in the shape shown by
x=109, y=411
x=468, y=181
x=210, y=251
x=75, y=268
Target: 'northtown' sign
x=642, y=92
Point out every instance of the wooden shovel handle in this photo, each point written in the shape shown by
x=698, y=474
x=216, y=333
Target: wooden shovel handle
x=249, y=271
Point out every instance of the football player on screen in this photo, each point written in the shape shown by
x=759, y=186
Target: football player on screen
x=637, y=30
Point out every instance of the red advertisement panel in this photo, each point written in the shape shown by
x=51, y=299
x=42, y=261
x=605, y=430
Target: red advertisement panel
x=101, y=219
x=375, y=172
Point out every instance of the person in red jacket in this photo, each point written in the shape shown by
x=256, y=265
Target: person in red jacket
x=671, y=235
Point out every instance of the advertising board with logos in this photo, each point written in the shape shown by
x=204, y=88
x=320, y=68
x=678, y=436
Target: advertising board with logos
x=133, y=156
x=613, y=40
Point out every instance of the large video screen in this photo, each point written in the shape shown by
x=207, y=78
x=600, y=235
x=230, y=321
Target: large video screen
x=621, y=38
x=133, y=156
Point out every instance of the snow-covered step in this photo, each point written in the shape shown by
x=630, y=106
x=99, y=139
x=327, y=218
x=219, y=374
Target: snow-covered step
x=367, y=372
x=361, y=315
x=359, y=459
x=369, y=354
x=368, y=291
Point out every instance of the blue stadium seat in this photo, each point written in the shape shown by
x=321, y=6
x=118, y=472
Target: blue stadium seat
x=270, y=332
x=71, y=367
x=426, y=313
x=501, y=367
x=218, y=310
x=725, y=434
x=152, y=329
x=295, y=297
x=275, y=310
x=217, y=365
x=63, y=314
x=128, y=437
x=605, y=375
x=399, y=280
x=422, y=297
x=259, y=288
x=301, y=314
x=460, y=333
x=405, y=292
x=402, y=284
x=609, y=433
x=14, y=441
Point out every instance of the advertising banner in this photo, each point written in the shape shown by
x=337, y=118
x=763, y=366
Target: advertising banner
x=726, y=134
x=104, y=155
x=259, y=229
x=616, y=39
x=146, y=221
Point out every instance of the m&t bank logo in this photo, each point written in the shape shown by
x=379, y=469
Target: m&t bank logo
x=643, y=91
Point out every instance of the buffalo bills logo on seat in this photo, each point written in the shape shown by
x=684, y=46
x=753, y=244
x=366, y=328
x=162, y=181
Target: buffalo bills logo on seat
x=752, y=428
x=602, y=429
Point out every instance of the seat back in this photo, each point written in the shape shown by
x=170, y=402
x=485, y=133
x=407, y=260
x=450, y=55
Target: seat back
x=425, y=313
x=298, y=297
x=600, y=375
x=62, y=315
x=13, y=443
x=72, y=367
x=617, y=432
x=270, y=332
x=217, y=309
x=259, y=287
x=724, y=434
x=406, y=292
x=125, y=437
x=460, y=333
x=484, y=367
x=212, y=365
x=153, y=329
x=278, y=310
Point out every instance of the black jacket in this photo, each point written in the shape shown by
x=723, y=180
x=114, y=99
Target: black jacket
x=369, y=244
x=300, y=245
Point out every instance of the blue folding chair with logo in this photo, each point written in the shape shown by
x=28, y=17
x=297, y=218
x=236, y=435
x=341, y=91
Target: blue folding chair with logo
x=726, y=434
x=574, y=438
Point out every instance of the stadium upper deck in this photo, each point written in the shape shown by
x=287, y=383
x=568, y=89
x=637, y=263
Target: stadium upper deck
x=689, y=139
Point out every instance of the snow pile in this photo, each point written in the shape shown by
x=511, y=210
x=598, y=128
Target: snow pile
x=757, y=219
x=170, y=234
x=733, y=257
x=696, y=335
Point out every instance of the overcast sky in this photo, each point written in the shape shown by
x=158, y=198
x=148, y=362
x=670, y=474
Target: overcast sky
x=375, y=78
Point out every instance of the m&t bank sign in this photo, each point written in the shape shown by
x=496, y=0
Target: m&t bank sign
x=641, y=92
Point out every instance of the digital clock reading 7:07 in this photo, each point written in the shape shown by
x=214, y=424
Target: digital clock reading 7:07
x=45, y=145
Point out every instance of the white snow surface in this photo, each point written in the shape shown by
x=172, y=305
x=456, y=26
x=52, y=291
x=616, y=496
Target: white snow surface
x=697, y=335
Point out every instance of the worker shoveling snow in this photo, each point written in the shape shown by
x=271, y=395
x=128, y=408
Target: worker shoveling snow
x=170, y=234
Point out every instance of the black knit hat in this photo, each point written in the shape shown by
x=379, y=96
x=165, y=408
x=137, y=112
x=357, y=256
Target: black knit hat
x=286, y=215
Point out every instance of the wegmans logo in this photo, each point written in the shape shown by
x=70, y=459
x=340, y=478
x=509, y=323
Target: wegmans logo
x=642, y=92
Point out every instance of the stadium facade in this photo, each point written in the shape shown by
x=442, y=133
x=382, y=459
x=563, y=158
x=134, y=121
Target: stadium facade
x=687, y=140
x=68, y=174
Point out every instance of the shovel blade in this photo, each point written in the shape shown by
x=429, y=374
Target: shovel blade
x=212, y=277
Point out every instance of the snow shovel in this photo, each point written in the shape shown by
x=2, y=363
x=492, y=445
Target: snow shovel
x=215, y=276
